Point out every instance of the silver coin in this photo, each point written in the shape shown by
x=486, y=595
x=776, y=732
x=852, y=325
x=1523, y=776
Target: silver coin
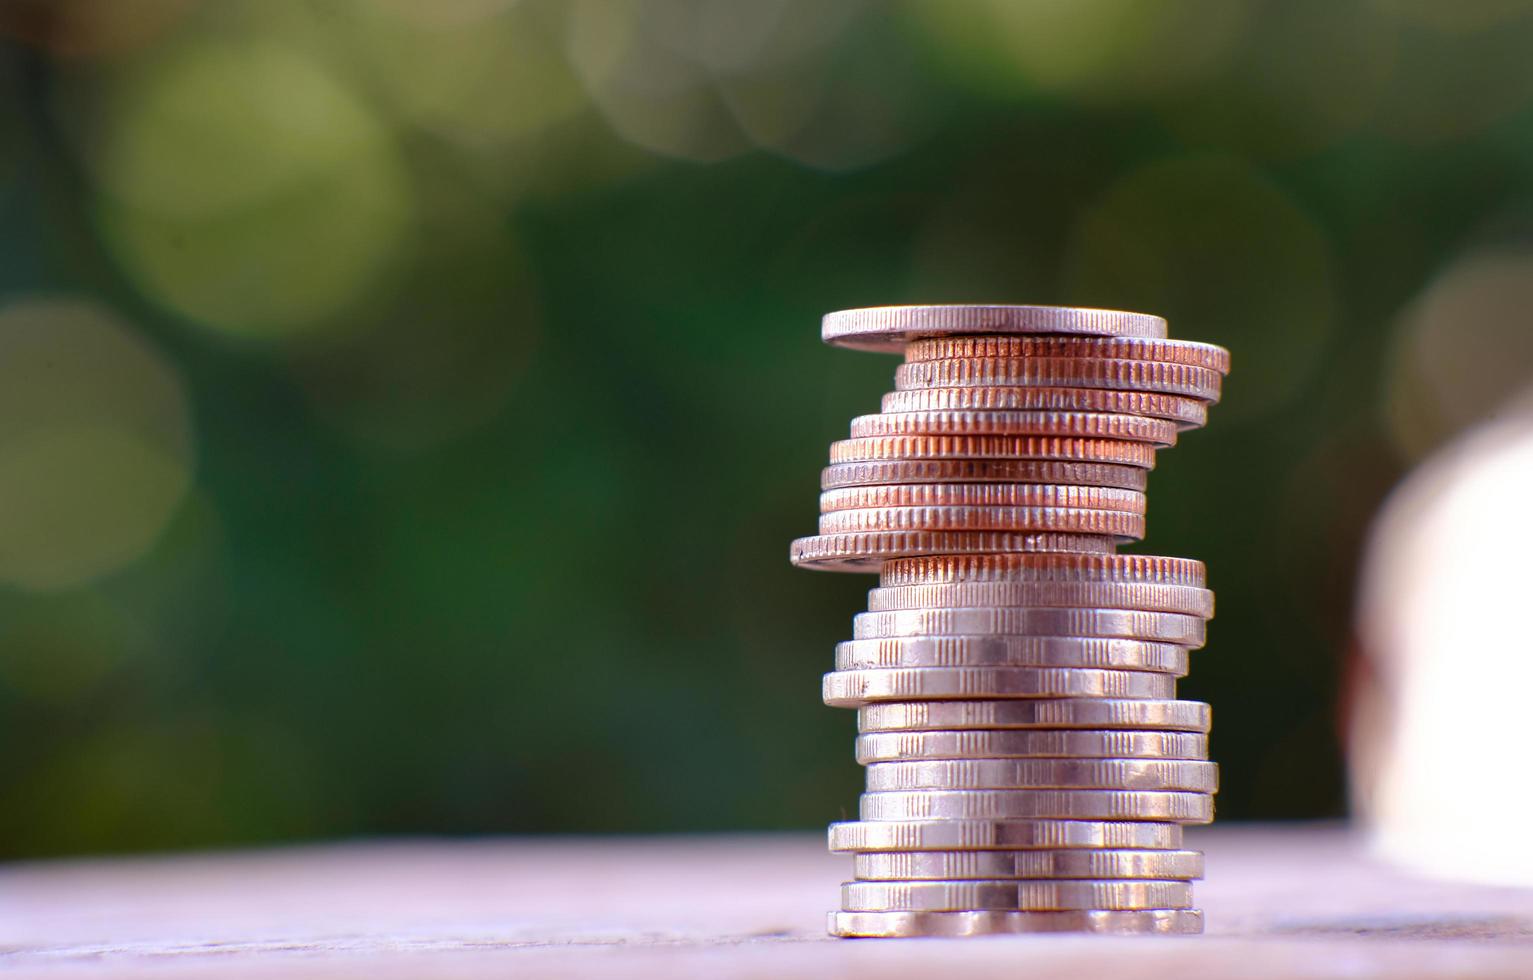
x=1022, y=895
x=982, y=495
x=855, y=688
x=1004, y=922
x=1110, y=568
x=887, y=329
x=965, y=835
x=920, y=716
x=1092, y=425
x=946, y=774
x=867, y=551
x=1062, y=372
x=1119, y=452
x=884, y=472
x=1102, y=653
x=1182, y=599
x=1186, y=631
x=1076, y=520
x=1072, y=744
x=1078, y=862
x=1059, y=804
x=1185, y=413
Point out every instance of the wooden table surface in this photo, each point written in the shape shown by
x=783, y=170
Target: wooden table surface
x=1280, y=901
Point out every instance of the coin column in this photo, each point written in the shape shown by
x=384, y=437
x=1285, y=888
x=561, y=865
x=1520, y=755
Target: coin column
x=1028, y=766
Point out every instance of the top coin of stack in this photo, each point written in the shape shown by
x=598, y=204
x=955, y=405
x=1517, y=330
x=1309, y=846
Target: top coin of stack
x=1029, y=768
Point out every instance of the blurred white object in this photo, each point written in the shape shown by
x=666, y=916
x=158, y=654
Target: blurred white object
x=1440, y=769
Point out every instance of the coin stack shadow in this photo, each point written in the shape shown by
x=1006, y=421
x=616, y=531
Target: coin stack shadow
x=1028, y=766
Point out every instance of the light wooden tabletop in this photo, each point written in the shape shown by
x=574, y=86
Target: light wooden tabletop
x=1280, y=900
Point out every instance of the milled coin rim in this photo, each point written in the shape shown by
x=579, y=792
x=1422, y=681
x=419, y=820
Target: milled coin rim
x=1173, y=806
x=1124, y=525
x=1128, y=624
x=1192, y=353
x=1184, y=600
x=1184, y=412
x=1055, y=495
x=856, y=688
x=1003, y=922
x=867, y=551
x=1117, y=374
x=1074, y=743
x=1019, y=714
x=887, y=329
x=1016, y=834
x=1066, y=472
x=1155, y=775
x=1100, y=863
x=1015, y=894
x=948, y=422
x=1044, y=567
x=1099, y=652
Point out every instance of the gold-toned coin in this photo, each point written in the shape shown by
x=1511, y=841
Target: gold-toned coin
x=1078, y=520
x=855, y=688
x=927, y=716
x=1189, y=352
x=867, y=552
x=1051, y=471
x=1116, y=451
x=1186, y=600
x=1063, y=804
x=1022, y=895
x=1011, y=922
x=1089, y=425
x=1070, y=863
x=1101, y=652
x=1004, y=835
x=1190, y=775
x=1186, y=413
x=1075, y=744
x=887, y=329
x=1062, y=372
x=945, y=569
x=1130, y=624
x=982, y=495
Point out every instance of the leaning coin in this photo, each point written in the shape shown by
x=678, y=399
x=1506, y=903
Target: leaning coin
x=1151, y=774
x=1185, y=600
x=1078, y=520
x=1116, y=568
x=1071, y=744
x=1062, y=372
x=1050, y=471
x=1190, y=352
x=1004, y=835
x=889, y=328
x=855, y=688
x=1186, y=413
x=1091, y=425
x=1062, y=804
x=942, y=896
x=1103, y=653
x=867, y=552
x=1074, y=863
x=982, y=495
x=1187, y=631
x=1119, y=452
x=1176, y=716
x=1004, y=922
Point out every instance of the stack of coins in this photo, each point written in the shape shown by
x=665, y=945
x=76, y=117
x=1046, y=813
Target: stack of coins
x=1028, y=766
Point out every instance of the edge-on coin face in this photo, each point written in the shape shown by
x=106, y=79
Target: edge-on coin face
x=1075, y=744
x=1054, y=495
x=1003, y=922
x=1059, y=804
x=887, y=329
x=1073, y=520
x=1183, y=600
x=1116, y=568
x=885, y=472
x=916, y=716
x=1088, y=425
x=1101, y=653
x=1185, y=413
x=867, y=551
x=1062, y=372
x=1189, y=352
x=1129, y=624
x=1119, y=452
x=1073, y=863
x=1136, y=774
x=953, y=835
x=855, y=688
x=957, y=896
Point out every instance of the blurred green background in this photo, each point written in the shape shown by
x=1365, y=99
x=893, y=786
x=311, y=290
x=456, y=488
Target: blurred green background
x=405, y=408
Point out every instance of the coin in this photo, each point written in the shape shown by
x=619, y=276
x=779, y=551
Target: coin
x=1022, y=895
x=1004, y=922
x=868, y=551
x=854, y=688
x=902, y=746
x=1117, y=523
x=1187, y=413
x=1153, y=774
x=1103, y=653
x=1210, y=356
x=1184, y=600
x=955, y=835
x=1062, y=372
x=1093, y=425
x=1162, y=715
x=887, y=329
x=1054, y=471
x=1187, y=631
x=1116, y=451
x=1072, y=863
x=943, y=569
x=982, y=495
x=1064, y=804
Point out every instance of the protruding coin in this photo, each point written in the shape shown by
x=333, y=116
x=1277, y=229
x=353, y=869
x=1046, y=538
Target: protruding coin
x=855, y=688
x=946, y=569
x=868, y=551
x=1184, y=600
x=888, y=329
x=1053, y=471
x=1116, y=523
x=982, y=495
x=1118, y=452
x=1152, y=774
x=1061, y=804
x=965, y=835
x=1187, y=413
x=926, y=716
x=1090, y=425
x=1189, y=352
x=903, y=746
x=1187, y=631
x=1103, y=653
x=1004, y=922
x=1072, y=863
x=1022, y=895
x=1062, y=372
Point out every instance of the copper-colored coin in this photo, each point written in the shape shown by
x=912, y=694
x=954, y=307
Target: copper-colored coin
x=1186, y=413
x=887, y=329
x=1092, y=425
x=1045, y=471
x=1093, y=713
x=1074, y=744
x=945, y=569
x=1192, y=353
x=1116, y=451
x=1063, y=804
x=1186, y=631
x=1062, y=372
x=982, y=495
x=1022, y=895
x=1056, y=864
x=1101, y=653
x=1012, y=922
x=1184, y=599
x=968, y=835
x=867, y=552
x=855, y=688
x=1075, y=519
x=1190, y=775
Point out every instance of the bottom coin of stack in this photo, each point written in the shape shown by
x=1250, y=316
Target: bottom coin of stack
x=1028, y=766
